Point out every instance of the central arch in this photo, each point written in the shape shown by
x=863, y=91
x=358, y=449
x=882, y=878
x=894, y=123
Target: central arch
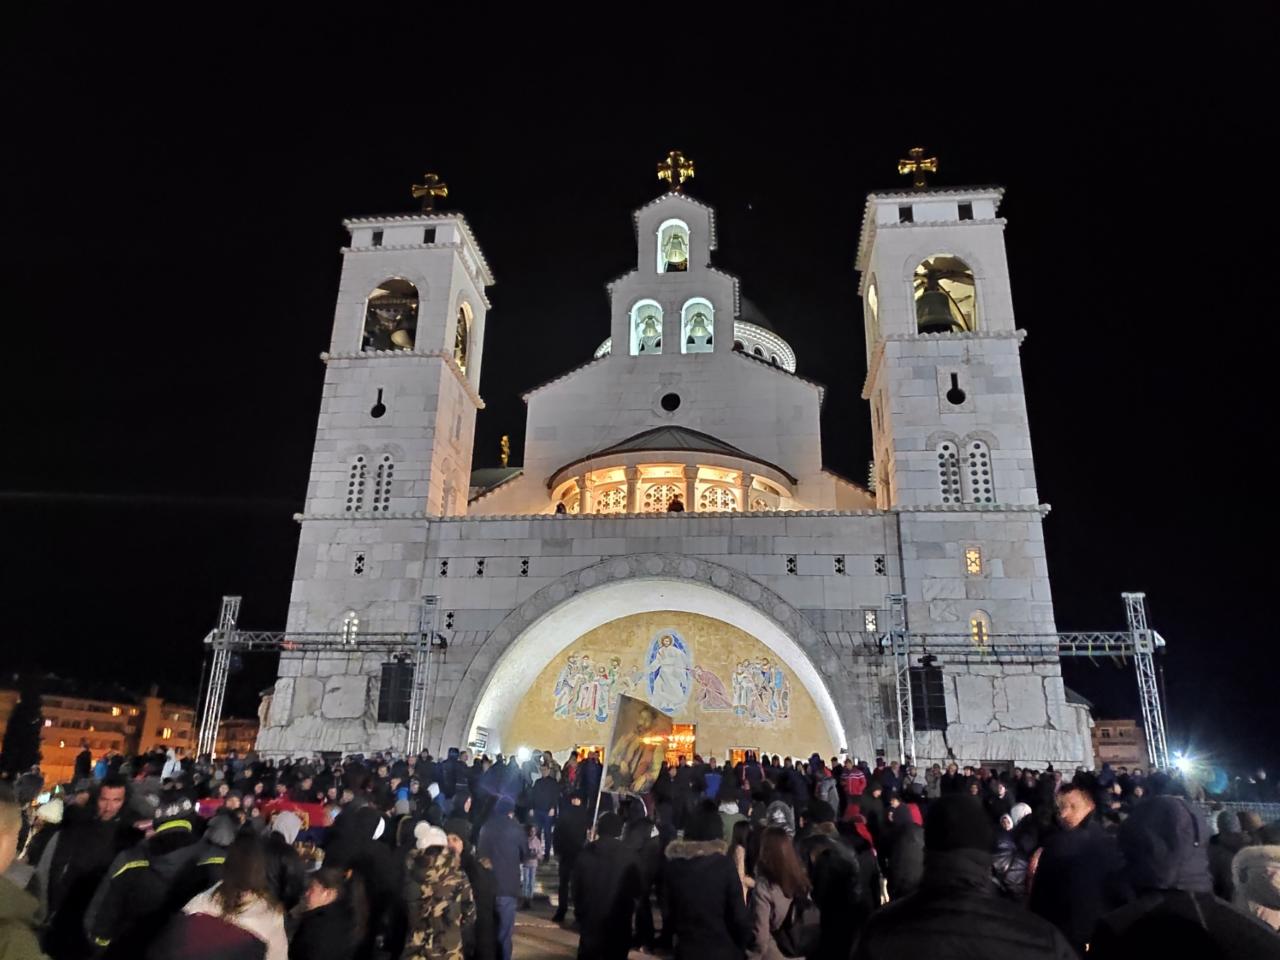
x=536, y=632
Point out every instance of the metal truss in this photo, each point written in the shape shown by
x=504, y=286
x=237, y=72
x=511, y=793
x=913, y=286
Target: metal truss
x=228, y=639
x=1139, y=642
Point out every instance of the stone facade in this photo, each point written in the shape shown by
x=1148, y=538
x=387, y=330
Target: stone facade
x=803, y=561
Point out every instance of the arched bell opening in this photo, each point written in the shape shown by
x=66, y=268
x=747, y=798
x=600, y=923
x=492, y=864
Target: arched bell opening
x=391, y=316
x=945, y=295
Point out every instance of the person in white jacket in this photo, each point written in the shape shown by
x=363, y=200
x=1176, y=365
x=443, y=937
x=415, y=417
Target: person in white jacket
x=244, y=898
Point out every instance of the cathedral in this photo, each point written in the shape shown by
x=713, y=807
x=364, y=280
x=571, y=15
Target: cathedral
x=671, y=533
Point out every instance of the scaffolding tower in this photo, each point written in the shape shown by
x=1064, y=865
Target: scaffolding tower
x=1139, y=642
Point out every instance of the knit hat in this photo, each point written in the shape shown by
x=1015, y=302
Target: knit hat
x=288, y=824
x=820, y=812
x=1018, y=811
x=50, y=812
x=222, y=830
x=425, y=835
x=504, y=806
x=704, y=823
x=459, y=827
x=1228, y=821
x=958, y=822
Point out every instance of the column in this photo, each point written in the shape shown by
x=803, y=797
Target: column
x=586, y=499
x=633, y=476
x=744, y=491
x=690, y=478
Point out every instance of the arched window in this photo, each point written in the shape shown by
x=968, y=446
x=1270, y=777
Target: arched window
x=350, y=626
x=949, y=472
x=462, y=337
x=759, y=504
x=391, y=316
x=673, y=247
x=658, y=496
x=873, y=314
x=739, y=346
x=613, y=500
x=980, y=628
x=758, y=352
x=979, y=488
x=382, y=477
x=356, y=478
x=717, y=500
x=646, y=327
x=697, y=325
x=946, y=295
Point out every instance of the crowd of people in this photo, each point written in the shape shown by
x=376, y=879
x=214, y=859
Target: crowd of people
x=384, y=857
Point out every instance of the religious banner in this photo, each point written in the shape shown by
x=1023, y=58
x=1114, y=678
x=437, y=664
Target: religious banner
x=637, y=747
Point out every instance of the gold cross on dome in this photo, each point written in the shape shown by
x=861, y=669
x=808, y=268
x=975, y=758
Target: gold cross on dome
x=676, y=169
x=428, y=191
x=918, y=166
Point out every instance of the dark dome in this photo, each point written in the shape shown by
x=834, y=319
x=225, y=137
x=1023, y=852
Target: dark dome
x=751, y=313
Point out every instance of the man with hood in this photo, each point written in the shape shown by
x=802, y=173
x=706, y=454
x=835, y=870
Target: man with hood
x=1223, y=846
x=483, y=890
x=704, y=901
x=606, y=886
x=956, y=913
x=504, y=844
x=1175, y=914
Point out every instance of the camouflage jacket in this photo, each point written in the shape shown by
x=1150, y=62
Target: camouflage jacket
x=442, y=910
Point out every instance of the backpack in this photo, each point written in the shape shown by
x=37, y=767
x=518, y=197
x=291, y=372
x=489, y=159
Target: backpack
x=801, y=929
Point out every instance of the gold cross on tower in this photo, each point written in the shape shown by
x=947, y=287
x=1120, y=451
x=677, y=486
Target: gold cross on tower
x=428, y=191
x=675, y=170
x=918, y=166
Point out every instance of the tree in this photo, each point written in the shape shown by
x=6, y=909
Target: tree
x=21, y=747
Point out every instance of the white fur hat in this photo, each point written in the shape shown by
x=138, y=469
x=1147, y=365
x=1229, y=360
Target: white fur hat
x=425, y=835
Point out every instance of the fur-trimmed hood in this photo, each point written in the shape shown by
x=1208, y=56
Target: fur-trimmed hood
x=1252, y=880
x=692, y=849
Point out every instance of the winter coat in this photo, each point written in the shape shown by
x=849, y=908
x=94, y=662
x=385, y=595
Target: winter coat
x=545, y=795
x=904, y=858
x=840, y=892
x=768, y=906
x=956, y=914
x=482, y=890
x=704, y=901
x=1256, y=889
x=442, y=909
x=1075, y=880
x=504, y=844
x=199, y=936
x=1009, y=866
x=256, y=916
x=1223, y=848
x=607, y=884
x=17, y=923
x=571, y=830
x=825, y=790
x=1181, y=923
x=325, y=933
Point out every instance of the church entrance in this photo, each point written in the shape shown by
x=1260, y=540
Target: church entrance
x=681, y=743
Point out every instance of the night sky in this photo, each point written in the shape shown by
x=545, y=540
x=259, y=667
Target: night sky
x=173, y=208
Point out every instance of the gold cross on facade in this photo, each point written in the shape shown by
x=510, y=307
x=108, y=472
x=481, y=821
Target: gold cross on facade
x=428, y=191
x=918, y=166
x=675, y=170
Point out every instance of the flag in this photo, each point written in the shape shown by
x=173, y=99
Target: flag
x=636, y=748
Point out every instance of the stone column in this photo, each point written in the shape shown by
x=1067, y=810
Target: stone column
x=744, y=491
x=690, y=478
x=633, y=489
x=586, y=500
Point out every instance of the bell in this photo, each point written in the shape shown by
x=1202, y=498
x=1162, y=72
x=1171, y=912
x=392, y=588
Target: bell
x=675, y=253
x=934, y=314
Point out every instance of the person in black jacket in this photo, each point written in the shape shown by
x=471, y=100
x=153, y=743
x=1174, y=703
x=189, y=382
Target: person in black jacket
x=570, y=838
x=956, y=912
x=333, y=925
x=483, y=889
x=1077, y=878
x=1175, y=914
x=902, y=855
x=606, y=887
x=544, y=798
x=708, y=913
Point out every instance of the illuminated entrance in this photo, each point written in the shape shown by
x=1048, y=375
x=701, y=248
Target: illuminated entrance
x=716, y=682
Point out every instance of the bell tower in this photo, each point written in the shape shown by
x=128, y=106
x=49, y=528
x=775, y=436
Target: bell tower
x=397, y=419
x=952, y=444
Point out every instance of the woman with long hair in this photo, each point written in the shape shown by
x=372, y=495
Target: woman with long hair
x=780, y=879
x=334, y=923
x=739, y=839
x=236, y=918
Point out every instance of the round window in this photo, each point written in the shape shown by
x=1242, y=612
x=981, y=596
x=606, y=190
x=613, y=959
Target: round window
x=671, y=402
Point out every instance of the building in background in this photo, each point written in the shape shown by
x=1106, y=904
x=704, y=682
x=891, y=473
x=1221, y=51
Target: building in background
x=1120, y=743
x=113, y=719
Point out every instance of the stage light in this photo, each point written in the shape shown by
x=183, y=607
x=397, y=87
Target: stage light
x=1184, y=763
x=523, y=754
